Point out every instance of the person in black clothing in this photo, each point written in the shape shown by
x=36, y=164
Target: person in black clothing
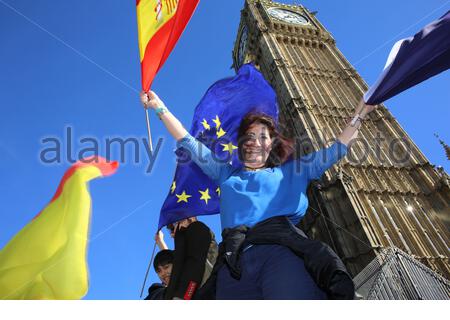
x=195, y=255
x=163, y=265
x=184, y=270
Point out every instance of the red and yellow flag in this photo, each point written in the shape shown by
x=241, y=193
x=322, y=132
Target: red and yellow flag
x=160, y=25
x=47, y=258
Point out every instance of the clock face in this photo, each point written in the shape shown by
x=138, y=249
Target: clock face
x=287, y=16
x=242, y=45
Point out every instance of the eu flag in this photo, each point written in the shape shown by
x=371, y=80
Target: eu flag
x=216, y=123
x=413, y=60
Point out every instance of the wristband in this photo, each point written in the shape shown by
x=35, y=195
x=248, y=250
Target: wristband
x=161, y=110
x=355, y=119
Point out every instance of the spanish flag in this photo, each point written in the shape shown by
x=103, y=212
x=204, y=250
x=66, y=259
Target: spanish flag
x=47, y=258
x=160, y=25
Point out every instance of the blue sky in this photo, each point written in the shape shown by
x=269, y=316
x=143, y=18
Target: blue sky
x=76, y=63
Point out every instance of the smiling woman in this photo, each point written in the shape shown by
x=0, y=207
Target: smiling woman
x=266, y=195
x=260, y=144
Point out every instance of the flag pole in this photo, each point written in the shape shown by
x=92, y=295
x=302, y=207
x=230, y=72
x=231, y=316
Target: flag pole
x=149, y=133
x=148, y=130
x=148, y=268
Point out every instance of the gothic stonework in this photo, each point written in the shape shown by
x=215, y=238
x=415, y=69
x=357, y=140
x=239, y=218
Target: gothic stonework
x=385, y=192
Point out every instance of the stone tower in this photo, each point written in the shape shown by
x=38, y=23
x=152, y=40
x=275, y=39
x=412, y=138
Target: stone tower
x=385, y=193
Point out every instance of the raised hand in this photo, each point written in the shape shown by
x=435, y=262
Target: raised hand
x=150, y=100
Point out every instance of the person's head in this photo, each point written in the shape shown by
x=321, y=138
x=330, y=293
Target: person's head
x=173, y=227
x=163, y=265
x=260, y=144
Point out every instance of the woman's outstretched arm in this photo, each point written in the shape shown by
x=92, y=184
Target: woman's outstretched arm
x=318, y=162
x=351, y=131
x=173, y=125
x=199, y=153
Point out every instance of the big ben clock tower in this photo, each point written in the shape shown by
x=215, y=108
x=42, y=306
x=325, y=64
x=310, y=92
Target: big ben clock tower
x=385, y=193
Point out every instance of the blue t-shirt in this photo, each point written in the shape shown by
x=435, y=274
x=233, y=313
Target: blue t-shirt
x=248, y=197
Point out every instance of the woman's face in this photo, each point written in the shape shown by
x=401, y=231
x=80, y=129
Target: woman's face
x=257, y=146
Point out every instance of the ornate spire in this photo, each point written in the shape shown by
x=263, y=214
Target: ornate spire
x=446, y=146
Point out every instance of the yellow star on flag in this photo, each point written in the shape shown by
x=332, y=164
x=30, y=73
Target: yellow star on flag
x=218, y=191
x=183, y=197
x=220, y=133
x=205, y=195
x=173, y=187
x=228, y=147
x=205, y=124
x=217, y=121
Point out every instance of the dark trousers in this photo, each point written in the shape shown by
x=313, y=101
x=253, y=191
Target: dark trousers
x=268, y=272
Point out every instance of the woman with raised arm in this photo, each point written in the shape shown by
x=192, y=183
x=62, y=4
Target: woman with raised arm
x=265, y=256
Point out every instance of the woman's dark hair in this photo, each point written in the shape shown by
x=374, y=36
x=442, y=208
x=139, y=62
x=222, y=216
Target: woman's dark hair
x=162, y=258
x=282, y=147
